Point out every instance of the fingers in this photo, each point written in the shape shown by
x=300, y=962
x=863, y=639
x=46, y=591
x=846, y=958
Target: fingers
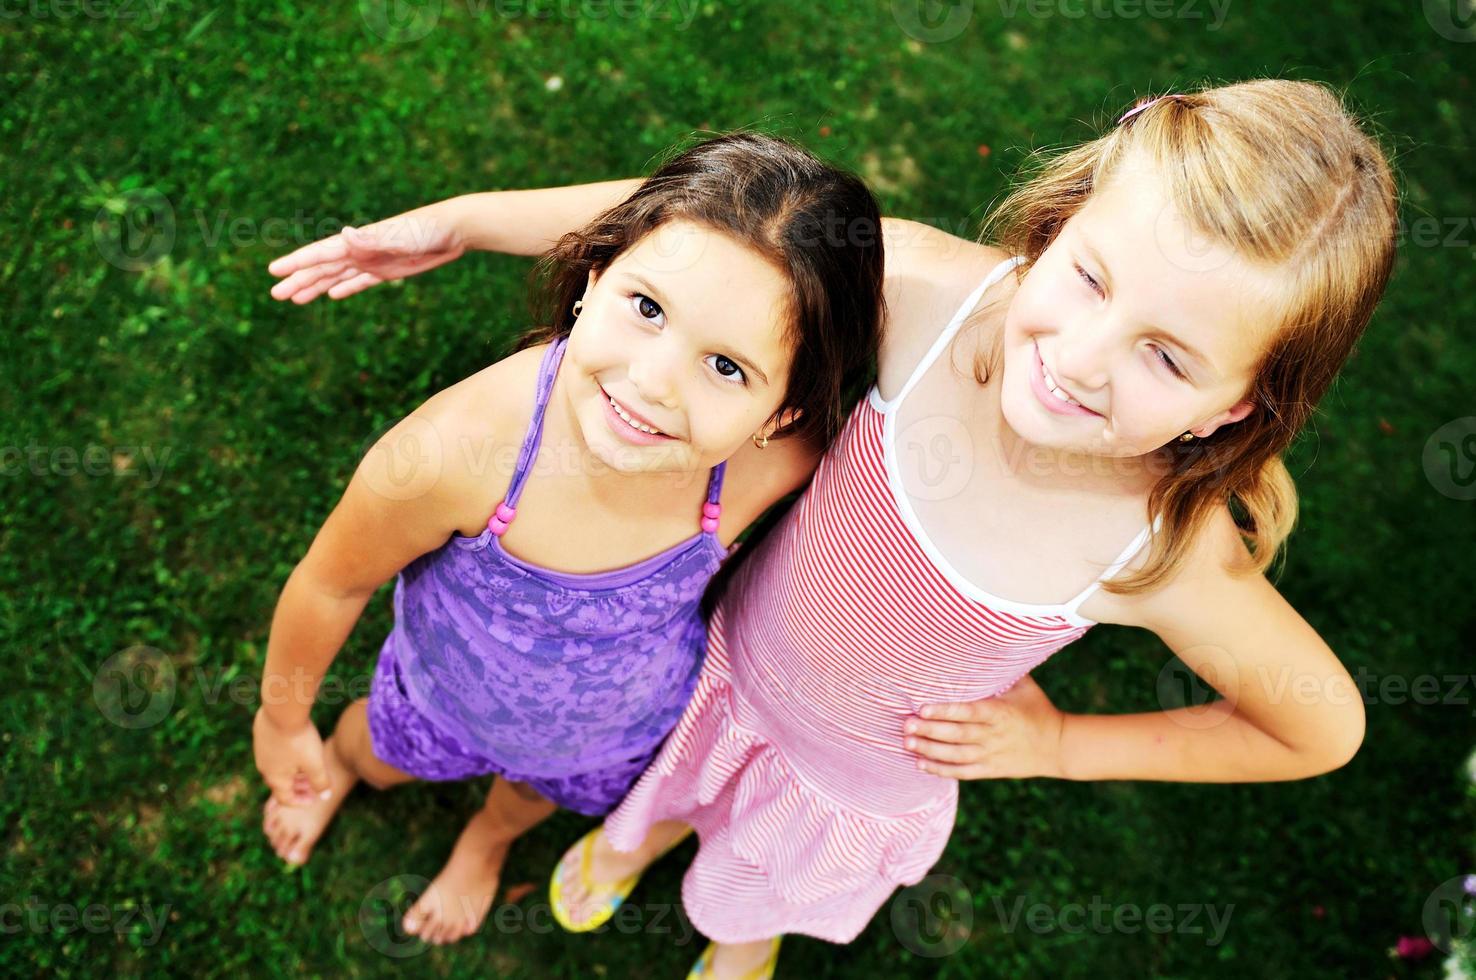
x=318, y=783
x=298, y=282
x=351, y=284
x=946, y=751
x=330, y=249
x=323, y=285
x=974, y=770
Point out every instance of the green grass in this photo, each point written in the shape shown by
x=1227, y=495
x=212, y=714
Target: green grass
x=267, y=124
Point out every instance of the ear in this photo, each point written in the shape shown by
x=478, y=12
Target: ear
x=1229, y=416
x=591, y=280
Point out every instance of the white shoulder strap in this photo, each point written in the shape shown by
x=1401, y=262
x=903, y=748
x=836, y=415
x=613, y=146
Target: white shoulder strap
x=953, y=325
x=1134, y=546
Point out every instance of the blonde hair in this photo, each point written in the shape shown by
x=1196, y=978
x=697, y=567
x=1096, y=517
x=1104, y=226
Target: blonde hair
x=1283, y=175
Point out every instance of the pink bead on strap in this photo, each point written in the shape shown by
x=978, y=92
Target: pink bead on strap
x=710, y=525
x=501, y=519
x=711, y=509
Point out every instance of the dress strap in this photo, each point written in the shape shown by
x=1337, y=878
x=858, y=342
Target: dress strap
x=1134, y=546
x=713, y=509
x=954, y=324
x=549, y=370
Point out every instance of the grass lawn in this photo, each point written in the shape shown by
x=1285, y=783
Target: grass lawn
x=172, y=439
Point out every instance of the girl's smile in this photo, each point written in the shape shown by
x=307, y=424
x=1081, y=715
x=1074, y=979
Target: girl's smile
x=630, y=426
x=1051, y=394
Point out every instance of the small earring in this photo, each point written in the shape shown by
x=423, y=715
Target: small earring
x=762, y=445
x=1186, y=437
x=578, y=306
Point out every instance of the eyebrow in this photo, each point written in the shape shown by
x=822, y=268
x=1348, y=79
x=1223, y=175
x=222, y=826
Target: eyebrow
x=1190, y=350
x=746, y=362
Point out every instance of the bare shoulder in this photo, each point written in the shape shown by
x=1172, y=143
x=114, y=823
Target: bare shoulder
x=929, y=274
x=469, y=433
x=1216, y=569
x=755, y=479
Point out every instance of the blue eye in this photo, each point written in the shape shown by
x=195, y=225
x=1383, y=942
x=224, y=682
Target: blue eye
x=1096, y=287
x=736, y=373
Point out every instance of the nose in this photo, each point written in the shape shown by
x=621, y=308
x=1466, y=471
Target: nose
x=1083, y=354
x=653, y=374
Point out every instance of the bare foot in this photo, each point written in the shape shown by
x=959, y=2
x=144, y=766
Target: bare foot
x=607, y=868
x=293, y=830
x=456, y=903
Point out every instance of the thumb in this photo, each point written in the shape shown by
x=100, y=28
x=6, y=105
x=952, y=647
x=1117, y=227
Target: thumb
x=317, y=776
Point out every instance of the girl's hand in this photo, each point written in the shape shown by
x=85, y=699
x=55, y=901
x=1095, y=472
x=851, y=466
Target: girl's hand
x=1013, y=735
x=291, y=762
x=357, y=258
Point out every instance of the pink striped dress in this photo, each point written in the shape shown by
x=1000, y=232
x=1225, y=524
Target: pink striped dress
x=789, y=760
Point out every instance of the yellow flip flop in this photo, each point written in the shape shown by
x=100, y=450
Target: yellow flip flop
x=764, y=971
x=623, y=888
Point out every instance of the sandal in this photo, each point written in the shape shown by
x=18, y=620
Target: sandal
x=623, y=888
x=764, y=971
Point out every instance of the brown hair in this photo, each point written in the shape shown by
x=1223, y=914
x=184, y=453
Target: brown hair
x=1281, y=173
x=817, y=224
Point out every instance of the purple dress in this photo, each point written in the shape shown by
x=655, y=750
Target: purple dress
x=567, y=682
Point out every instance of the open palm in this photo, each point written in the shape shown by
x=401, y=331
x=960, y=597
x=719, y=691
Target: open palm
x=357, y=258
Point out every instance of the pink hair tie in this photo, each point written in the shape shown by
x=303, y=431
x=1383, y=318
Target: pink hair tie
x=1141, y=106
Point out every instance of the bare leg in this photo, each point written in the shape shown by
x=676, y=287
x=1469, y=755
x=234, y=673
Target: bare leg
x=457, y=902
x=609, y=866
x=736, y=959
x=349, y=757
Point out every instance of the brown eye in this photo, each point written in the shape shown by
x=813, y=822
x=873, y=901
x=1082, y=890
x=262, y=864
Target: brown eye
x=728, y=369
x=647, y=307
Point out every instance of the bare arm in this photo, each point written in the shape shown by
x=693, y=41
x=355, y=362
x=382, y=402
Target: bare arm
x=1289, y=708
x=528, y=222
x=401, y=503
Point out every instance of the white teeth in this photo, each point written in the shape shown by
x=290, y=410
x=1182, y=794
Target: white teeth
x=632, y=422
x=1054, y=388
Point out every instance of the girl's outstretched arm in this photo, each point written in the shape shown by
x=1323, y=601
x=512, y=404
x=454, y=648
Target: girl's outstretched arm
x=1289, y=709
x=408, y=495
x=517, y=222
